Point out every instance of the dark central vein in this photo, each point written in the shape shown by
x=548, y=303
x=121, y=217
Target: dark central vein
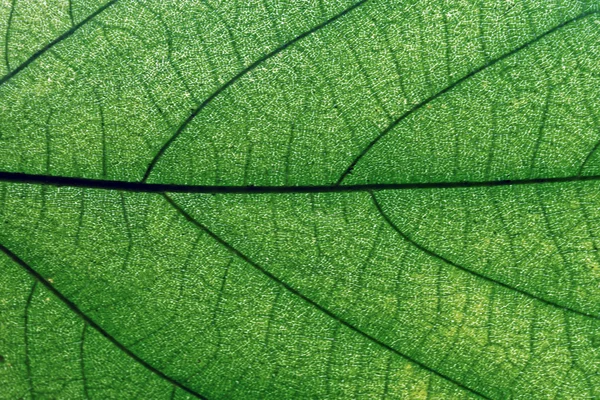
x=313, y=303
x=454, y=84
x=53, y=43
x=239, y=75
x=89, y=183
x=39, y=278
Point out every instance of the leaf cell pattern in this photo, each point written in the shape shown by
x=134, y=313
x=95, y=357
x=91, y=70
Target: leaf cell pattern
x=299, y=199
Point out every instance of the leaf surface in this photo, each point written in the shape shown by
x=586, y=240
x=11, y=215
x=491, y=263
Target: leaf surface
x=273, y=199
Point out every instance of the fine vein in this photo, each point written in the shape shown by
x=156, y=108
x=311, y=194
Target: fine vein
x=239, y=75
x=313, y=303
x=470, y=271
x=53, y=43
x=39, y=278
x=27, y=334
x=451, y=86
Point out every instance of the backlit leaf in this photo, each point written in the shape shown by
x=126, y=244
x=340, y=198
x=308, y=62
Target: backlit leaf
x=299, y=199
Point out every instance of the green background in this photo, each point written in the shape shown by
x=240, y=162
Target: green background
x=374, y=200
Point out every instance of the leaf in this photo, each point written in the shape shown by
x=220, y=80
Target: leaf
x=332, y=200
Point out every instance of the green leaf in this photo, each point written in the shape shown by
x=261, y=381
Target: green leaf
x=300, y=200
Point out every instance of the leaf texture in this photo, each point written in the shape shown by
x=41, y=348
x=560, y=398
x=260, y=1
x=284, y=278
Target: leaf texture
x=299, y=200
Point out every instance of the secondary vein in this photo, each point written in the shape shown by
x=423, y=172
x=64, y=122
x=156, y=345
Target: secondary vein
x=73, y=307
x=454, y=84
x=53, y=43
x=312, y=302
x=237, y=77
x=473, y=272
